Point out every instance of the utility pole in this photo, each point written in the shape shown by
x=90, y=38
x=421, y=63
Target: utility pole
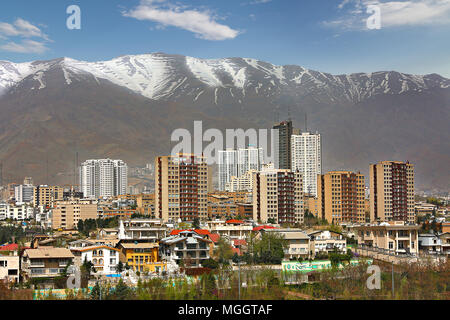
x=239, y=267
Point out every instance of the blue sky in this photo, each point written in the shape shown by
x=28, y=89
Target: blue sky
x=325, y=35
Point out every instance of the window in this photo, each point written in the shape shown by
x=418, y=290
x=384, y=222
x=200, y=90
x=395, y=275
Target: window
x=13, y=272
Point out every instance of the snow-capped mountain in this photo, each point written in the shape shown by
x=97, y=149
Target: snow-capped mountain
x=128, y=107
x=170, y=77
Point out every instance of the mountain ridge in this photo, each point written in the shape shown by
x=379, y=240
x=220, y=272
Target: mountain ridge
x=158, y=76
x=127, y=107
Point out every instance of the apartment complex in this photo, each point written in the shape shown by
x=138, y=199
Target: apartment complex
x=67, y=214
x=341, y=197
x=250, y=158
x=227, y=166
x=181, y=187
x=46, y=195
x=278, y=196
x=241, y=183
x=233, y=164
x=282, y=145
x=306, y=155
x=103, y=178
x=392, y=191
x=24, y=193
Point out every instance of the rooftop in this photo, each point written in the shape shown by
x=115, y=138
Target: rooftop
x=48, y=252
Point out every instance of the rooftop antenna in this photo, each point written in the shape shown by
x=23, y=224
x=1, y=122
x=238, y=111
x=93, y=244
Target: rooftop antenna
x=47, y=171
x=76, y=171
x=306, y=122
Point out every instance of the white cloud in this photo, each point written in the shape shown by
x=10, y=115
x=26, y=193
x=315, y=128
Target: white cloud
x=21, y=28
x=25, y=46
x=259, y=1
x=203, y=23
x=393, y=13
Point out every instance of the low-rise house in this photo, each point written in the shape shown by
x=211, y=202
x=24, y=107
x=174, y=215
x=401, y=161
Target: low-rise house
x=108, y=233
x=298, y=242
x=201, y=232
x=325, y=241
x=396, y=237
x=430, y=243
x=142, y=257
x=103, y=258
x=186, y=248
x=232, y=229
x=147, y=230
x=239, y=246
x=9, y=263
x=424, y=208
x=79, y=244
x=445, y=242
x=214, y=237
x=45, y=262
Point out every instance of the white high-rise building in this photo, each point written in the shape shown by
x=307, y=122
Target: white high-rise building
x=24, y=193
x=236, y=163
x=227, y=163
x=306, y=152
x=103, y=178
x=250, y=158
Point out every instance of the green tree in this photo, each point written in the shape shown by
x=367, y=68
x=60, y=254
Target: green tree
x=210, y=263
x=223, y=251
x=270, y=249
x=95, y=292
x=120, y=267
x=196, y=223
x=122, y=291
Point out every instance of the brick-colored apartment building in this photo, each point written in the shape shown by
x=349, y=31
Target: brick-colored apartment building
x=392, y=191
x=341, y=197
x=181, y=187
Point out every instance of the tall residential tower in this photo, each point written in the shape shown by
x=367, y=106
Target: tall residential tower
x=181, y=187
x=306, y=150
x=392, y=191
x=103, y=178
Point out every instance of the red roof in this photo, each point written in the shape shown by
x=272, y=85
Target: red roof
x=9, y=247
x=175, y=232
x=259, y=228
x=202, y=231
x=236, y=250
x=239, y=242
x=234, y=221
x=214, y=237
x=197, y=231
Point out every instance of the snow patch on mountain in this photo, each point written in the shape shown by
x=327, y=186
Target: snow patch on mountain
x=163, y=77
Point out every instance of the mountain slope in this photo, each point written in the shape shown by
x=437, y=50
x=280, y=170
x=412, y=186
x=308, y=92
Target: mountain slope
x=128, y=107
